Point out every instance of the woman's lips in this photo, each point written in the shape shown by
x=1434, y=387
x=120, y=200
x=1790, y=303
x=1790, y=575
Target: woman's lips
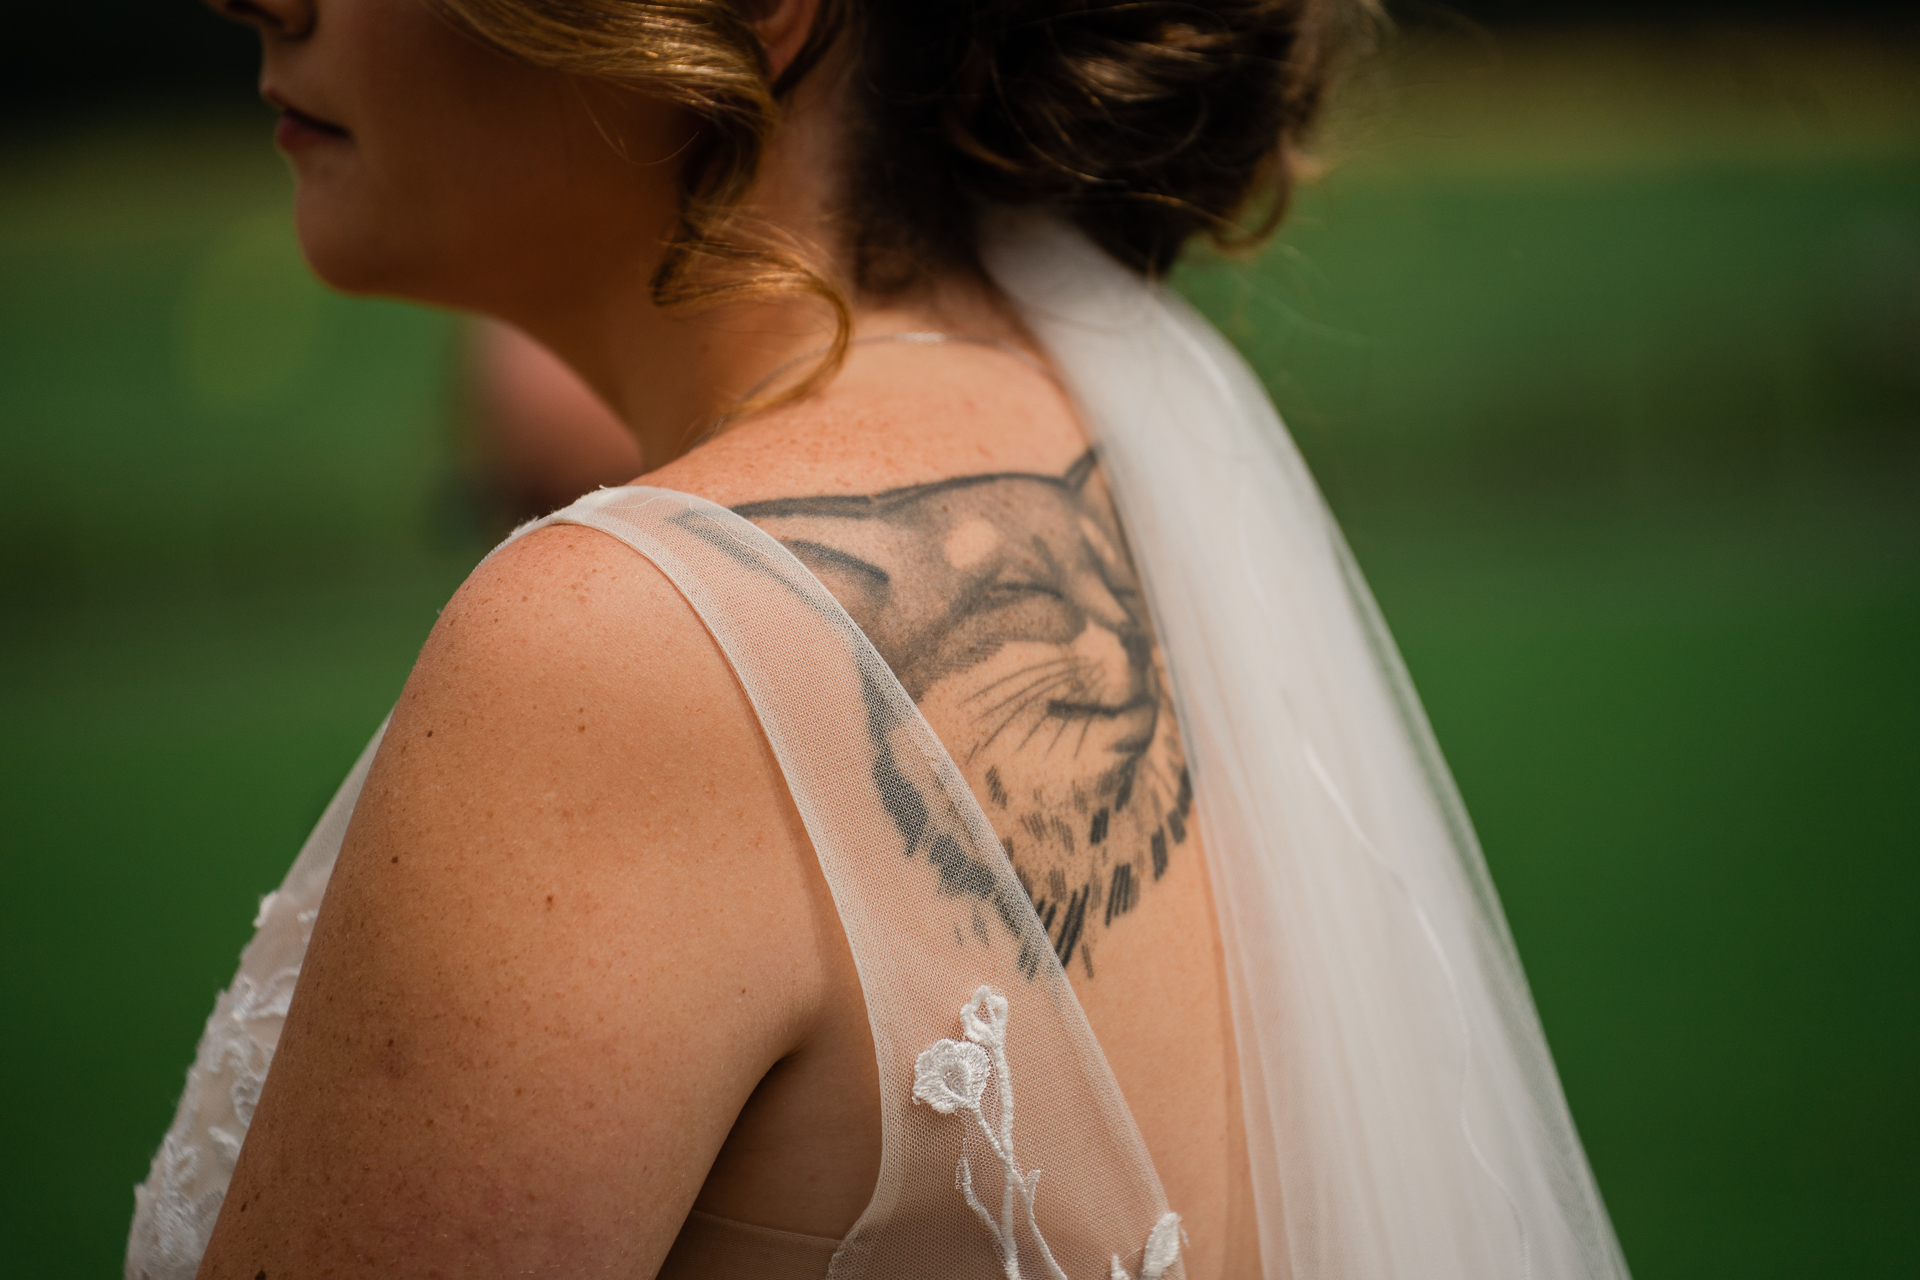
x=297, y=130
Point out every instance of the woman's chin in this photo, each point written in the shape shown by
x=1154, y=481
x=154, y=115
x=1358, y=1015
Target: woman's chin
x=348, y=277
x=337, y=250
x=350, y=258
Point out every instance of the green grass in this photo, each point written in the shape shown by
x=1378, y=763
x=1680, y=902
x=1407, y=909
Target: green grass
x=1690, y=760
x=181, y=398
x=1621, y=421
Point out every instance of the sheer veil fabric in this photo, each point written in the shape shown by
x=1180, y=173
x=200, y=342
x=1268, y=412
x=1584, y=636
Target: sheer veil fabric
x=1403, y=1113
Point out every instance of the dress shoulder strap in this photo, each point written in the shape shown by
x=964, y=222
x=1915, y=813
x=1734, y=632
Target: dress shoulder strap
x=966, y=997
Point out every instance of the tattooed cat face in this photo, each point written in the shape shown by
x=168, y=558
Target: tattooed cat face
x=1010, y=610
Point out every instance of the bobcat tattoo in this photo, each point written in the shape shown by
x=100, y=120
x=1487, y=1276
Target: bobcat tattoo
x=1009, y=608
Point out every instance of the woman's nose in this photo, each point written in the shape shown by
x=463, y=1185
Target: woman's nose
x=288, y=19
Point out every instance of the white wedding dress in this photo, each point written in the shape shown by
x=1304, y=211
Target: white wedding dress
x=1404, y=1120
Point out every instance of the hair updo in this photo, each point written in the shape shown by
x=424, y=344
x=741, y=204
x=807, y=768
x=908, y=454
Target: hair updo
x=1145, y=122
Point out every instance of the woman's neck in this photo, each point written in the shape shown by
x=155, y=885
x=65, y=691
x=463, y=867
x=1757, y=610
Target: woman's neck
x=676, y=381
x=672, y=375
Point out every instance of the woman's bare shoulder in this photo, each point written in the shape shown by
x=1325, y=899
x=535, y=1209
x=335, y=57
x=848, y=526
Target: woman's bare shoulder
x=563, y=608
x=568, y=669
x=573, y=924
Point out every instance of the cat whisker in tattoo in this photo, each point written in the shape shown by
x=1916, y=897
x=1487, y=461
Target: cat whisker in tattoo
x=1021, y=701
x=1009, y=608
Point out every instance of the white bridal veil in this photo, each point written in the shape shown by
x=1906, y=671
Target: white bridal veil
x=1403, y=1112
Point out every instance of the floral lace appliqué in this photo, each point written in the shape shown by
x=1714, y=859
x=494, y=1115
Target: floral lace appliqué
x=953, y=1076
x=175, y=1209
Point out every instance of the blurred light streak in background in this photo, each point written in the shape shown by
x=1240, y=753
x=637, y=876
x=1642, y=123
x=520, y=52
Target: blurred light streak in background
x=1604, y=341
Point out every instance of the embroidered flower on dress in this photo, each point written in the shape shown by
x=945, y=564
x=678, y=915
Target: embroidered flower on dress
x=985, y=1018
x=1162, y=1251
x=951, y=1075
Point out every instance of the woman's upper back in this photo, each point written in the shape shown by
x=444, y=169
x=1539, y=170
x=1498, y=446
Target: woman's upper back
x=985, y=561
x=580, y=969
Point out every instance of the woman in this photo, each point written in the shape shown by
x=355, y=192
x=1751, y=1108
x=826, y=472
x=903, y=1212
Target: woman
x=698, y=911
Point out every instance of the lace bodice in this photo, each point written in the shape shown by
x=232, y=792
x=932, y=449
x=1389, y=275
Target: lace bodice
x=175, y=1208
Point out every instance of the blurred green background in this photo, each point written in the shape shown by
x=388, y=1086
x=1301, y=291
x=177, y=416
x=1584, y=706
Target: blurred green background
x=1604, y=341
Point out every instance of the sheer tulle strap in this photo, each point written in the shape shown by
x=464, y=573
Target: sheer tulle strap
x=963, y=990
